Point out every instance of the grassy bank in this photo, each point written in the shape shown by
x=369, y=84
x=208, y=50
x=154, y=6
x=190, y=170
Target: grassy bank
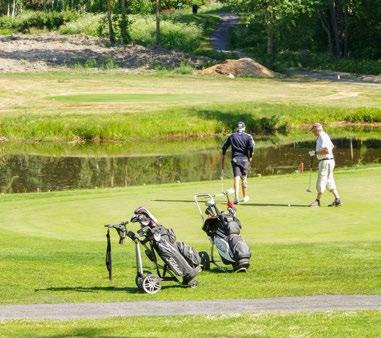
x=339, y=324
x=53, y=244
x=174, y=147
x=96, y=106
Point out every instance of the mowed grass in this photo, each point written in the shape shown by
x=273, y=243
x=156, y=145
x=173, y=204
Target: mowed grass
x=33, y=92
x=337, y=324
x=92, y=106
x=53, y=244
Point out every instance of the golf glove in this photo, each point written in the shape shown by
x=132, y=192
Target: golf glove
x=312, y=153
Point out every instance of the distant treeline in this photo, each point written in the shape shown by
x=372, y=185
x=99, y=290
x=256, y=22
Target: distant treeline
x=344, y=28
x=13, y=7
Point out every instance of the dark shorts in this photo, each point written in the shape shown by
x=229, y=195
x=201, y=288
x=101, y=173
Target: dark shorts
x=240, y=166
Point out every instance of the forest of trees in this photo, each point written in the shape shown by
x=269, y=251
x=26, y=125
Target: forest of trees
x=344, y=28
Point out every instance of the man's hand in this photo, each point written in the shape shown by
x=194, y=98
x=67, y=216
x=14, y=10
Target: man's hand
x=312, y=153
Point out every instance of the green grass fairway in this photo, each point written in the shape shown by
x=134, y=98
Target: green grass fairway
x=52, y=245
x=20, y=94
x=339, y=324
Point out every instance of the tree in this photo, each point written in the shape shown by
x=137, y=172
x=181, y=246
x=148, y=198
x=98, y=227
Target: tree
x=158, y=6
x=124, y=22
x=111, y=33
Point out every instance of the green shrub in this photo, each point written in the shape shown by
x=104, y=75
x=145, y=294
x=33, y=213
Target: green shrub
x=186, y=37
x=88, y=24
x=143, y=7
x=185, y=69
x=38, y=20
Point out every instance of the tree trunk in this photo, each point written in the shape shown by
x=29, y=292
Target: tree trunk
x=124, y=22
x=53, y=4
x=325, y=26
x=335, y=29
x=13, y=8
x=9, y=9
x=270, y=42
x=109, y=19
x=72, y=5
x=345, y=36
x=158, y=23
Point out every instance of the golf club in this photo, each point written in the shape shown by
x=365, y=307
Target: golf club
x=222, y=180
x=310, y=176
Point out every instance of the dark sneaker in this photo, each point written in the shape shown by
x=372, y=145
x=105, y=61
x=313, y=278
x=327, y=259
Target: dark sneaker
x=190, y=282
x=336, y=203
x=314, y=204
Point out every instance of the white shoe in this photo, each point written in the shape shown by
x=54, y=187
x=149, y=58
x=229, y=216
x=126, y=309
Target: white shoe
x=236, y=201
x=246, y=199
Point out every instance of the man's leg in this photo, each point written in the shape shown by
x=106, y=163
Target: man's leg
x=331, y=184
x=236, y=188
x=245, y=186
x=321, y=183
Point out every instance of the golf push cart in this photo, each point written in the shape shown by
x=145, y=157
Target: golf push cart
x=223, y=229
x=177, y=258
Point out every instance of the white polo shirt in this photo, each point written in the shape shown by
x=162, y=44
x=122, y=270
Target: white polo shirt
x=324, y=141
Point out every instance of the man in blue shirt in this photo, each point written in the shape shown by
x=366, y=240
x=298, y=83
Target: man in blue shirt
x=242, y=145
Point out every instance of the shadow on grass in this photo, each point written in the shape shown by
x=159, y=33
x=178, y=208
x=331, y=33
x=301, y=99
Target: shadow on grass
x=102, y=288
x=243, y=205
x=273, y=205
x=179, y=201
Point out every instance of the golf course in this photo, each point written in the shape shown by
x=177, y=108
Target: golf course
x=53, y=247
x=194, y=168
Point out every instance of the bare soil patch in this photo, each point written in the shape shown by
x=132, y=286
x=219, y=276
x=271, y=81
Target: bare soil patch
x=240, y=68
x=44, y=52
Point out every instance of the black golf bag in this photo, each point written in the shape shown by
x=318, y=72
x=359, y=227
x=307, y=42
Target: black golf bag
x=181, y=259
x=224, y=230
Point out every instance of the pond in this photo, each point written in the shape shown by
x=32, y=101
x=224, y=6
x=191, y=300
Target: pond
x=35, y=172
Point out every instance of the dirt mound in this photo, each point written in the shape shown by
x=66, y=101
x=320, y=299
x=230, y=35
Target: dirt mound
x=20, y=53
x=241, y=67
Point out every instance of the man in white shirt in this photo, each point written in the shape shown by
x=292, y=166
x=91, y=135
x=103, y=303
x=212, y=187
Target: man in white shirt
x=324, y=154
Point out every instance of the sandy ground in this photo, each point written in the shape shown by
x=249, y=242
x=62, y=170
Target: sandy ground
x=20, y=53
x=170, y=308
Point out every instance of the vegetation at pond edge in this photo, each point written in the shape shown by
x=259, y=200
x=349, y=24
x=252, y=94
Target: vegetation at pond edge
x=177, y=122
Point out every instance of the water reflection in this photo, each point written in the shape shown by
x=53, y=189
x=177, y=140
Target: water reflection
x=27, y=173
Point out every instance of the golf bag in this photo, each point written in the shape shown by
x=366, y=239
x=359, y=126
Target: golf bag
x=181, y=259
x=224, y=229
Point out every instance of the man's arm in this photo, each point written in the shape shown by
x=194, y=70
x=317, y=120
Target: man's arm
x=250, y=147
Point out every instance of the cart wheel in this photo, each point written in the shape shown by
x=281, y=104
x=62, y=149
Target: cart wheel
x=151, y=284
x=139, y=280
x=205, y=260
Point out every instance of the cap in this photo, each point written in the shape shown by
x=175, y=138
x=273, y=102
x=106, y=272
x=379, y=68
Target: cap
x=317, y=126
x=241, y=126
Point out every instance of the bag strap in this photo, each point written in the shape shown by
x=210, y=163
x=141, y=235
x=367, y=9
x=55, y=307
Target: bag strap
x=108, y=255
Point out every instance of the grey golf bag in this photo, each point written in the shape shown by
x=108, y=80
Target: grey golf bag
x=224, y=231
x=180, y=258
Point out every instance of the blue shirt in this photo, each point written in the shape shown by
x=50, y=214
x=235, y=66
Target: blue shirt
x=242, y=145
